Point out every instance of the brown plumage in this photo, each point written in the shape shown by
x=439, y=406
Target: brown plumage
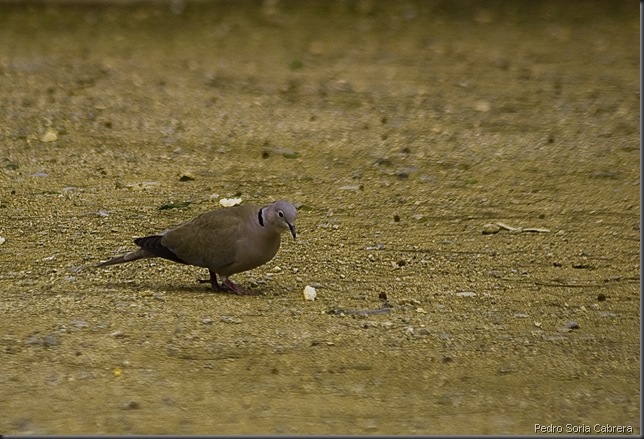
x=226, y=241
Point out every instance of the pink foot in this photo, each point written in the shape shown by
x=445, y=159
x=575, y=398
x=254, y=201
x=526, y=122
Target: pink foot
x=237, y=289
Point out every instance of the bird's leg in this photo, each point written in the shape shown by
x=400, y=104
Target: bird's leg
x=226, y=285
x=212, y=281
x=236, y=288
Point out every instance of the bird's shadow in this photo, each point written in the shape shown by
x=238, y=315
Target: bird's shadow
x=198, y=287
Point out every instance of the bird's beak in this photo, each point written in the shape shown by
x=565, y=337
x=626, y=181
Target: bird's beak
x=292, y=229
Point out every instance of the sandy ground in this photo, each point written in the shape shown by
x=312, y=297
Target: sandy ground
x=399, y=129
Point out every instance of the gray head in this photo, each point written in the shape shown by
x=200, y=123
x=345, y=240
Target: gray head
x=280, y=215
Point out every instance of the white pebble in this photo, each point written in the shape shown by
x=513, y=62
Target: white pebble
x=2, y=240
x=309, y=293
x=229, y=202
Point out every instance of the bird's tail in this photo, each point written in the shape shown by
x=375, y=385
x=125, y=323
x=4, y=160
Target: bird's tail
x=128, y=257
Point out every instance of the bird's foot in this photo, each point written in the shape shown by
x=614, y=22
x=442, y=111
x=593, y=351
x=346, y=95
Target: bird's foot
x=226, y=285
x=237, y=289
x=215, y=285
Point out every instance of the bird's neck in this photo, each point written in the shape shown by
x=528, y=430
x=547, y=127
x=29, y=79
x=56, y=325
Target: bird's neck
x=260, y=217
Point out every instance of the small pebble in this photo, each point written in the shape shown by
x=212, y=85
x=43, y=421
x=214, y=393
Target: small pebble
x=309, y=293
x=581, y=265
x=466, y=294
x=507, y=368
x=402, y=175
x=490, y=229
x=34, y=339
x=187, y=176
x=50, y=340
x=482, y=106
x=409, y=301
x=131, y=405
x=49, y=136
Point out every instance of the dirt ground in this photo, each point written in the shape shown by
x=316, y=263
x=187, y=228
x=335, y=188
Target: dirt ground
x=399, y=129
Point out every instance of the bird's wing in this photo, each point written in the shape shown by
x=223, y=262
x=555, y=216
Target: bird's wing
x=210, y=240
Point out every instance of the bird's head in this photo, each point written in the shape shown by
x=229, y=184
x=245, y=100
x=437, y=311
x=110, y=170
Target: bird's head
x=281, y=216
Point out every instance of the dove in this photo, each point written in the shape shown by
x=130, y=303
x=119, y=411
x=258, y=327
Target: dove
x=225, y=241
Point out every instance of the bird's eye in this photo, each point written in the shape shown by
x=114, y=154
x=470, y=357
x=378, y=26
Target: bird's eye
x=280, y=213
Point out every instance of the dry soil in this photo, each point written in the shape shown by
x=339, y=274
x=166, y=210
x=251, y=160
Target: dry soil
x=399, y=129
